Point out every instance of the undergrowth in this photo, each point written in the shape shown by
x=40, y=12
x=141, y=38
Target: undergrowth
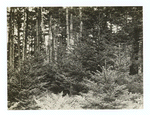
x=105, y=90
x=70, y=85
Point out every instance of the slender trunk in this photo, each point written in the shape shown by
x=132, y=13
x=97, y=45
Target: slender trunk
x=49, y=50
x=9, y=51
x=42, y=30
x=56, y=48
x=77, y=37
x=11, y=36
x=37, y=32
x=26, y=33
x=110, y=24
x=19, y=53
x=24, y=39
x=32, y=46
x=60, y=38
x=59, y=50
x=39, y=29
x=13, y=45
x=53, y=49
x=119, y=55
x=135, y=50
x=71, y=29
x=105, y=71
x=23, y=43
x=8, y=35
x=142, y=56
x=99, y=26
x=81, y=23
x=35, y=39
x=67, y=27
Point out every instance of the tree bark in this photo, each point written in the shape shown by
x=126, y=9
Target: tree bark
x=37, y=32
x=11, y=37
x=49, y=49
x=99, y=26
x=42, y=30
x=56, y=47
x=71, y=29
x=135, y=50
x=142, y=56
x=53, y=49
x=67, y=27
x=18, y=30
x=8, y=34
x=39, y=29
x=81, y=23
x=23, y=43
x=18, y=44
x=25, y=34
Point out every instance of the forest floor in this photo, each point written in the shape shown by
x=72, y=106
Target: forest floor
x=46, y=100
x=50, y=101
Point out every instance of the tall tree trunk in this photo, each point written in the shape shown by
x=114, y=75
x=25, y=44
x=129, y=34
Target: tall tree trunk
x=23, y=43
x=18, y=30
x=81, y=23
x=50, y=48
x=67, y=27
x=110, y=24
x=53, y=48
x=71, y=29
x=9, y=31
x=12, y=54
x=142, y=56
x=42, y=29
x=60, y=48
x=37, y=32
x=39, y=29
x=25, y=34
x=32, y=46
x=135, y=50
x=11, y=37
x=8, y=34
x=19, y=51
x=56, y=48
x=99, y=26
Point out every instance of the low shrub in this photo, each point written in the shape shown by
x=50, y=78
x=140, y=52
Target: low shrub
x=50, y=101
x=110, y=90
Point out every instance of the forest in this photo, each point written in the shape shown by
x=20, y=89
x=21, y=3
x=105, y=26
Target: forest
x=73, y=58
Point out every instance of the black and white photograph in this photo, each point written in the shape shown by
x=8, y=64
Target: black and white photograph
x=75, y=58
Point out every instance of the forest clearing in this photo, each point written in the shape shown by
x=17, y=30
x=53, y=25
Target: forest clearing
x=73, y=58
